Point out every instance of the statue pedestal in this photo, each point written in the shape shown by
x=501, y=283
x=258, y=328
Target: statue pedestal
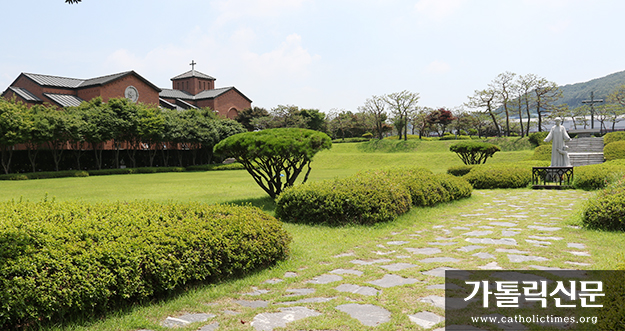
x=552, y=177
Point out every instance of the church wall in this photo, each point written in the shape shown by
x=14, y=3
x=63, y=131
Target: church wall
x=31, y=86
x=210, y=103
x=89, y=93
x=231, y=99
x=117, y=88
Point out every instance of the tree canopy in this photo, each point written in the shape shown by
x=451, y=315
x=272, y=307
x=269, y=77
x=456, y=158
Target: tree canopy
x=275, y=157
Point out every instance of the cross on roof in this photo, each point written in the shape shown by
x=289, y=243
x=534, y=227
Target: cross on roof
x=192, y=64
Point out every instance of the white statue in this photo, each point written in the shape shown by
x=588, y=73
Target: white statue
x=557, y=136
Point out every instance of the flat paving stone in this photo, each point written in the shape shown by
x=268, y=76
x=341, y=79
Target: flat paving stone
x=537, y=242
x=489, y=241
x=398, y=266
x=506, y=224
x=367, y=314
x=575, y=245
x=491, y=266
x=424, y=251
x=438, y=301
x=580, y=253
x=397, y=242
x=443, y=244
x=508, y=233
x=581, y=264
x=351, y=288
x=426, y=319
x=514, y=251
x=369, y=262
x=299, y=291
x=525, y=258
x=269, y=321
x=461, y=228
x=478, y=233
x=543, y=228
x=307, y=300
x=252, y=304
x=384, y=253
x=450, y=286
x=392, y=281
x=346, y=272
x=172, y=322
x=545, y=238
x=439, y=259
x=210, y=327
x=290, y=274
x=438, y=272
x=483, y=255
x=273, y=281
x=325, y=279
x=257, y=292
x=469, y=248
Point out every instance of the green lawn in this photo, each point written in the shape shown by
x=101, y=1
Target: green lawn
x=312, y=247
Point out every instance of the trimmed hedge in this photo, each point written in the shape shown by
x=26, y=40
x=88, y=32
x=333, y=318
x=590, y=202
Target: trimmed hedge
x=368, y=197
x=538, y=138
x=614, y=150
x=598, y=176
x=460, y=171
x=606, y=211
x=612, y=137
x=502, y=175
x=542, y=153
x=62, y=260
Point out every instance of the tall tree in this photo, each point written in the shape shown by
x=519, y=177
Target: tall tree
x=503, y=85
x=13, y=129
x=525, y=84
x=546, y=93
x=376, y=107
x=439, y=119
x=246, y=116
x=402, y=104
x=486, y=99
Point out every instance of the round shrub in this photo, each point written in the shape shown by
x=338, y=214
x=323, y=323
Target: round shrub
x=542, y=153
x=365, y=198
x=460, y=171
x=503, y=175
x=457, y=187
x=614, y=150
x=598, y=176
x=613, y=136
x=427, y=189
x=538, y=138
x=69, y=259
x=606, y=211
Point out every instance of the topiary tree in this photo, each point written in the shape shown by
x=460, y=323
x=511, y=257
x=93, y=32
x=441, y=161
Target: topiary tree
x=473, y=152
x=614, y=150
x=275, y=157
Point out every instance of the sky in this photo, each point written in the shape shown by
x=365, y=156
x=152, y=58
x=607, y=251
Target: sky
x=324, y=54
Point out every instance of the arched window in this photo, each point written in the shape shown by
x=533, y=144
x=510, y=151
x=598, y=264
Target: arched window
x=232, y=113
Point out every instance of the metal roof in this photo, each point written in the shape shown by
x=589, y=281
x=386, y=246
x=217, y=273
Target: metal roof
x=56, y=81
x=175, y=94
x=103, y=79
x=184, y=104
x=207, y=94
x=193, y=73
x=24, y=94
x=166, y=104
x=65, y=100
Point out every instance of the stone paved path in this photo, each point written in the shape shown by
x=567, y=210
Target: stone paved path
x=396, y=283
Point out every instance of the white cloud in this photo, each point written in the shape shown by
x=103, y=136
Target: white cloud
x=438, y=67
x=438, y=9
x=289, y=59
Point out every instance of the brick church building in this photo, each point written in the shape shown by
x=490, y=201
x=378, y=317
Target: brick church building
x=191, y=89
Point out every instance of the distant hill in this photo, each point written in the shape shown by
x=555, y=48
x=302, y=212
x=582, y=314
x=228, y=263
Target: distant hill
x=573, y=94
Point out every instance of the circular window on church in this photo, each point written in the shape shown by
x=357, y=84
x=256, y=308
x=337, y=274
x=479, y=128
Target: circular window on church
x=131, y=93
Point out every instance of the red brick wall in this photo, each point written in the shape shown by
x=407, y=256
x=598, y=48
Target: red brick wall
x=117, y=88
x=225, y=103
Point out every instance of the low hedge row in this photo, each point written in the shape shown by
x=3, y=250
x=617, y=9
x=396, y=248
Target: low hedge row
x=368, y=197
x=502, y=175
x=460, y=170
x=116, y=171
x=606, y=211
x=62, y=260
x=598, y=176
x=542, y=153
x=611, y=137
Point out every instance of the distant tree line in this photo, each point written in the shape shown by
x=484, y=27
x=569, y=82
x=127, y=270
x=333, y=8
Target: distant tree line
x=118, y=128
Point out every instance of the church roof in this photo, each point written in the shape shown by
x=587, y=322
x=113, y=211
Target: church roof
x=24, y=94
x=65, y=100
x=207, y=94
x=74, y=83
x=193, y=73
